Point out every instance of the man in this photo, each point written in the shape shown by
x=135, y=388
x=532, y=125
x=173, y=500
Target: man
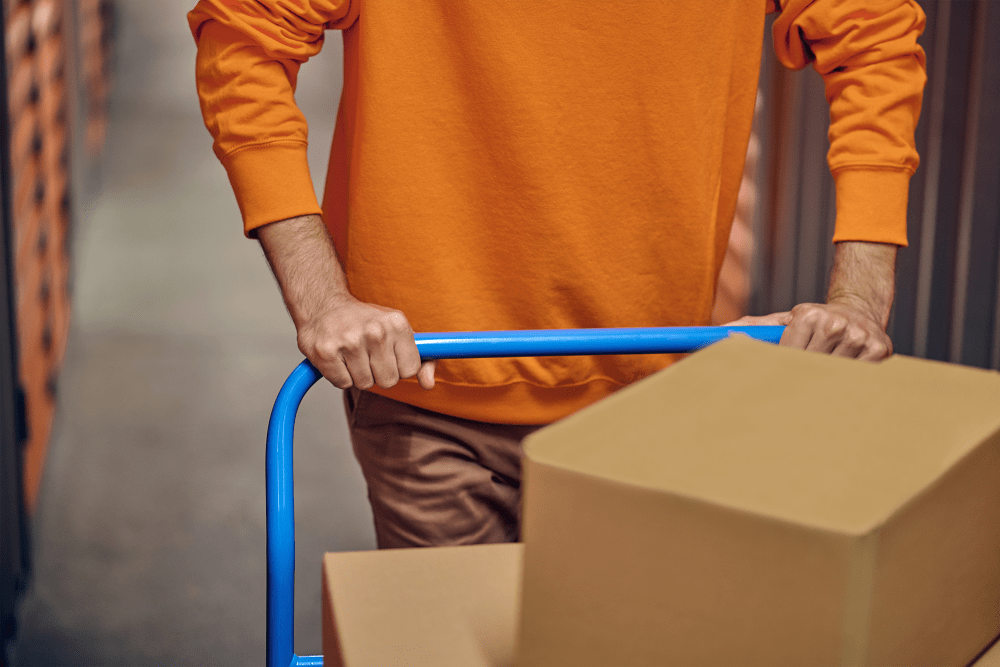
x=522, y=164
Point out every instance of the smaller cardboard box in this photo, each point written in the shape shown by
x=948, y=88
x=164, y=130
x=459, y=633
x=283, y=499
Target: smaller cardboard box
x=990, y=657
x=755, y=505
x=434, y=607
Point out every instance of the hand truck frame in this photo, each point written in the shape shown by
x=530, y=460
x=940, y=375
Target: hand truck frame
x=462, y=345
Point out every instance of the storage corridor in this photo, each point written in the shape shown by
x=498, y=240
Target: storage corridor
x=149, y=531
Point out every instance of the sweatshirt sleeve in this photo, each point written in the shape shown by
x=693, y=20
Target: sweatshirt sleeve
x=874, y=74
x=249, y=53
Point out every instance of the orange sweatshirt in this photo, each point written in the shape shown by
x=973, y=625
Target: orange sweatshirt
x=533, y=164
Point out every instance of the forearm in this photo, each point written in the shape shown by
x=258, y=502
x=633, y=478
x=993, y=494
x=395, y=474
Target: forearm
x=305, y=264
x=864, y=277
x=852, y=323
x=350, y=342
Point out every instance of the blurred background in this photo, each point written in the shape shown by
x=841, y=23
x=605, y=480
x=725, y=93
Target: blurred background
x=142, y=338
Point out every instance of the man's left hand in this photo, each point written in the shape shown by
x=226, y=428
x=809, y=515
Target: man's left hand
x=832, y=328
x=852, y=323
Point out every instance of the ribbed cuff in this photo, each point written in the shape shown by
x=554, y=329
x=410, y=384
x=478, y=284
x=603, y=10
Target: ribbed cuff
x=271, y=183
x=871, y=205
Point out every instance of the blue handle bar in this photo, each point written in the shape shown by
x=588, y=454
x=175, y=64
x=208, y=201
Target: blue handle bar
x=464, y=345
x=568, y=342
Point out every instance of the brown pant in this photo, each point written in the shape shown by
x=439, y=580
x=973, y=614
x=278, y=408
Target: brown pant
x=436, y=480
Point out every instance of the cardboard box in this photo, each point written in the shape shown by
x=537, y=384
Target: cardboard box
x=754, y=505
x=376, y=623
x=990, y=658
x=438, y=607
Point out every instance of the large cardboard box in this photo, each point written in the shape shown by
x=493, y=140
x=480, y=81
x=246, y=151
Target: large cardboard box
x=439, y=607
x=755, y=505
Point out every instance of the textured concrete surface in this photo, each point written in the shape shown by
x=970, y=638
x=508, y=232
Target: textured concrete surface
x=149, y=536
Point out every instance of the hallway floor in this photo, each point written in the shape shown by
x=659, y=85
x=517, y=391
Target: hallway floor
x=149, y=535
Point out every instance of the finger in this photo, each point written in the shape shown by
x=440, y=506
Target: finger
x=328, y=360
x=799, y=330
x=851, y=342
x=384, y=367
x=425, y=376
x=834, y=332
x=407, y=357
x=877, y=349
x=336, y=372
x=359, y=366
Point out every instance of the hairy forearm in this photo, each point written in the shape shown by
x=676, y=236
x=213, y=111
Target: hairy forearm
x=852, y=323
x=864, y=277
x=305, y=264
x=351, y=343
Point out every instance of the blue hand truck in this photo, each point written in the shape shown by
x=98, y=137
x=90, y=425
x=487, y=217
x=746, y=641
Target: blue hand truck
x=465, y=345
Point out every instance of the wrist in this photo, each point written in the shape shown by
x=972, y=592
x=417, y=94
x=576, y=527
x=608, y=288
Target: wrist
x=876, y=312
x=305, y=264
x=863, y=278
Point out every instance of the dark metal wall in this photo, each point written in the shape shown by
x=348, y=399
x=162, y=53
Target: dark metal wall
x=14, y=553
x=948, y=297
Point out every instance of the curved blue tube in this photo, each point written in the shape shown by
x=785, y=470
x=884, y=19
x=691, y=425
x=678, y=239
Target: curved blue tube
x=463, y=345
x=281, y=516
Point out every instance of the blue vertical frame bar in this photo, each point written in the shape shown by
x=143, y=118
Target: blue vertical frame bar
x=281, y=516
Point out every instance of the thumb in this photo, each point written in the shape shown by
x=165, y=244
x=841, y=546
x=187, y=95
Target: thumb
x=774, y=319
x=425, y=376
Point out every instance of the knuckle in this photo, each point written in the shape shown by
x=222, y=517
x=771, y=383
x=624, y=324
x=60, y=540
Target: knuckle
x=856, y=336
x=374, y=331
x=326, y=348
x=809, y=314
x=836, y=324
x=810, y=320
x=880, y=349
x=350, y=342
x=398, y=322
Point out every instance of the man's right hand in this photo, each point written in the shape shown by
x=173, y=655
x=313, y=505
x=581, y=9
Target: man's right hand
x=360, y=344
x=353, y=344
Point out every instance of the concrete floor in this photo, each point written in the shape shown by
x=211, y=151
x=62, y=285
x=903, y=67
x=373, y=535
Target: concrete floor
x=149, y=535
